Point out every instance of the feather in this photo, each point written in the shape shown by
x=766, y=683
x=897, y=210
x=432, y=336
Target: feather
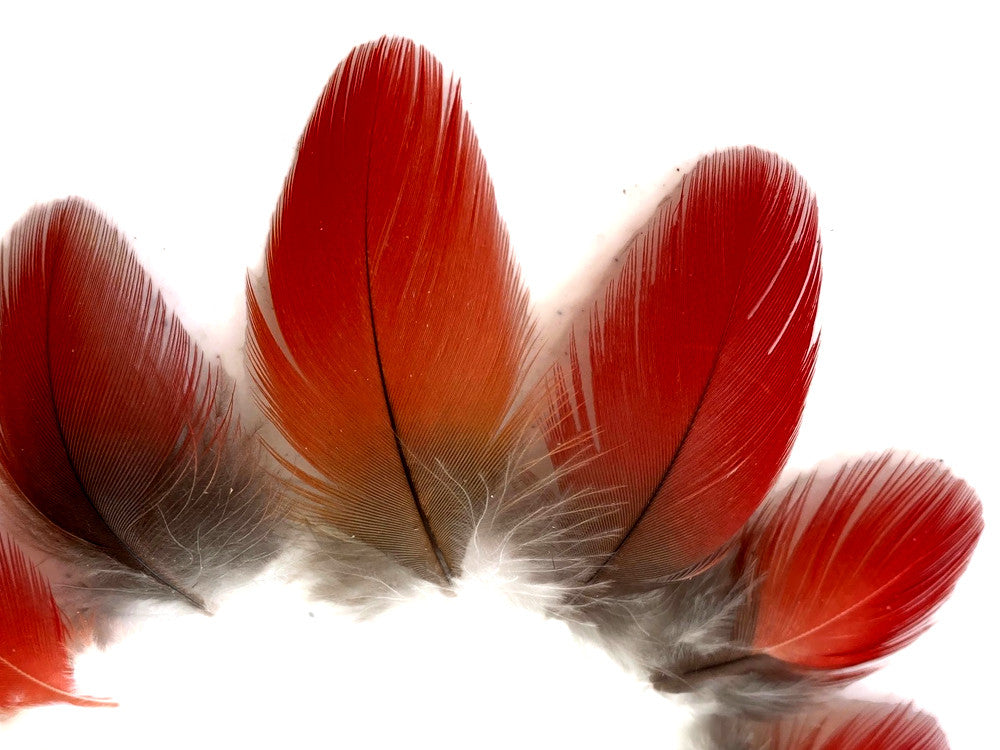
x=389, y=334
x=847, y=725
x=852, y=566
x=119, y=440
x=296, y=355
x=35, y=664
x=675, y=420
x=846, y=567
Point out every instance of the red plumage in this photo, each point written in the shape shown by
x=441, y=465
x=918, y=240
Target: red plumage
x=388, y=341
x=35, y=661
x=674, y=421
x=399, y=329
x=849, y=566
x=116, y=435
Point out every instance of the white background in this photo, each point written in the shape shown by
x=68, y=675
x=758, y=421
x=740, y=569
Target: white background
x=181, y=123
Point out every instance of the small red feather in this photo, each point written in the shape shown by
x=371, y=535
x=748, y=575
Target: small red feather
x=849, y=567
x=35, y=663
x=675, y=420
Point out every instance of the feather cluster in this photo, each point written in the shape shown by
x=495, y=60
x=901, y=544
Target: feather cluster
x=413, y=432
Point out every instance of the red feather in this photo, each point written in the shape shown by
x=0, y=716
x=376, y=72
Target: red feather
x=388, y=340
x=113, y=428
x=851, y=726
x=35, y=664
x=399, y=329
x=684, y=407
x=851, y=566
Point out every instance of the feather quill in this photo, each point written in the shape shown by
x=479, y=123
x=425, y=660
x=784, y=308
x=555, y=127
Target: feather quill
x=119, y=440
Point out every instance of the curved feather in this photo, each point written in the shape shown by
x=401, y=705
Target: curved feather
x=113, y=428
x=852, y=565
x=35, y=663
x=389, y=333
x=683, y=407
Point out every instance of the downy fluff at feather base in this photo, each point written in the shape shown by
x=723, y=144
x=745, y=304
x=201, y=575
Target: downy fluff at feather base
x=393, y=351
x=418, y=436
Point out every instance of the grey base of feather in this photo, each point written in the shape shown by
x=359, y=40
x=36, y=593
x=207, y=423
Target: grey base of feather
x=724, y=733
x=344, y=570
x=682, y=635
x=526, y=542
x=839, y=723
x=97, y=593
x=526, y=563
x=521, y=535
